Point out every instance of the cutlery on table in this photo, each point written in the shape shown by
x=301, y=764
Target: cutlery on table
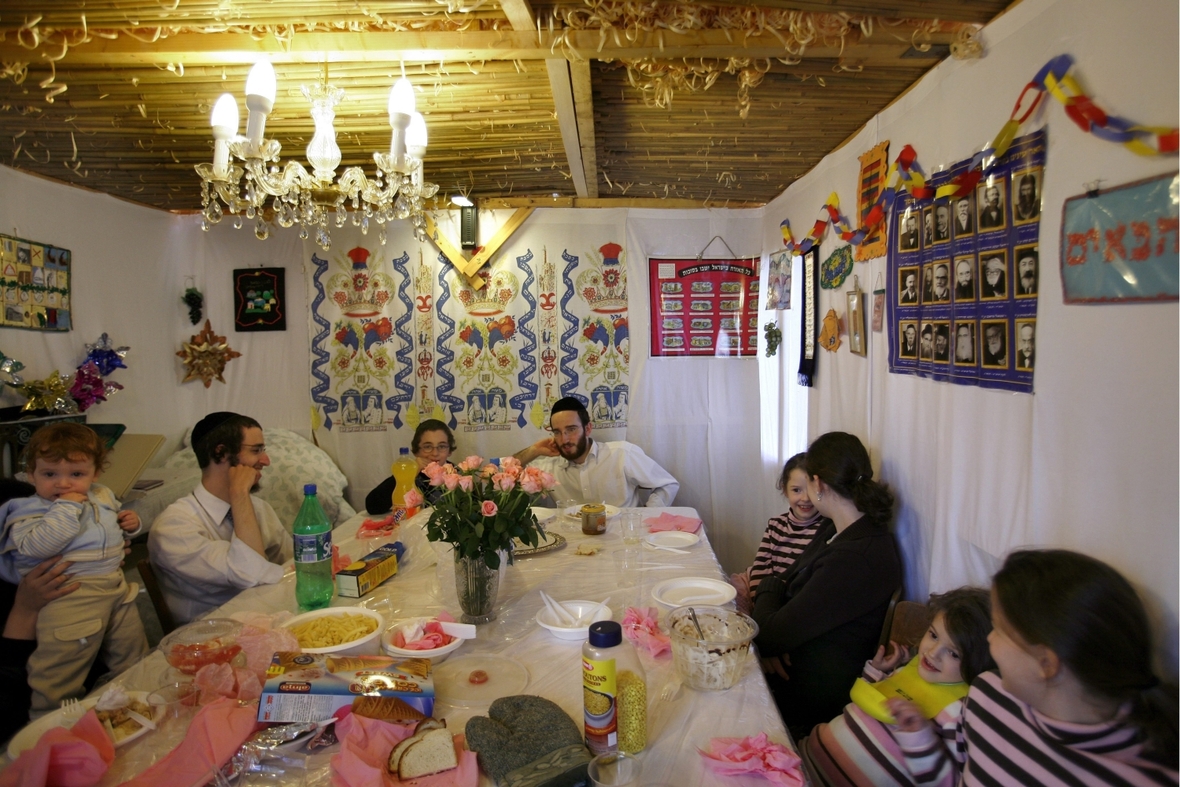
x=590, y=615
x=650, y=545
x=671, y=688
x=143, y=720
x=72, y=709
x=559, y=612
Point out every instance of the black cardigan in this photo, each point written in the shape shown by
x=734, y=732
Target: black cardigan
x=826, y=614
x=380, y=500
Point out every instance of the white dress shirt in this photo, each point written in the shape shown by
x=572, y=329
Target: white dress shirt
x=201, y=563
x=612, y=473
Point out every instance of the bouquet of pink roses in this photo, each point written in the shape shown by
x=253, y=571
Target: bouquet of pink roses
x=485, y=507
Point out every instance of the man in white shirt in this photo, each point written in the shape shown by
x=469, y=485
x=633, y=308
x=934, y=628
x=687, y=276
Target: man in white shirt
x=209, y=546
x=588, y=471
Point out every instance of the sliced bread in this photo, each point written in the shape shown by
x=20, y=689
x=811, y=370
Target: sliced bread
x=425, y=726
x=432, y=753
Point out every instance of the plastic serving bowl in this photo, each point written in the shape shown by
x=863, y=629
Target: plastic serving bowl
x=546, y=619
x=368, y=645
x=718, y=660
x=436, y=654
x=208, y=641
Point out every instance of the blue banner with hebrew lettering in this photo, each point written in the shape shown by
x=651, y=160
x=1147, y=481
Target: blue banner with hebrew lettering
x=1123, y=244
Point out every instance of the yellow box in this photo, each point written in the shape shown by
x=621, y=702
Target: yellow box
x=370, y=571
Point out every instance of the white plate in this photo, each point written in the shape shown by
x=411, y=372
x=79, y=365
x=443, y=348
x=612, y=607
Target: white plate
x=505, y=677
x=368, y=645
x=576, y=511
x=28, y=737
x=436, y=655
x=547, y=620
x=543, y=514
x=682, y=591
x=672, y=538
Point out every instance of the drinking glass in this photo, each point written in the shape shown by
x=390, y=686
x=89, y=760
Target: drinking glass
x=613, y=769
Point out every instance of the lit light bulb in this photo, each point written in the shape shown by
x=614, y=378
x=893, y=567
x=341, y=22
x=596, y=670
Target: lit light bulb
x=260, y=99
x=416, y=136
x=225, y=127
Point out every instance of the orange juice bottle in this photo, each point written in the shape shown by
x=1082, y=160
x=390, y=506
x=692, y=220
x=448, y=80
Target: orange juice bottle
x=404, y=471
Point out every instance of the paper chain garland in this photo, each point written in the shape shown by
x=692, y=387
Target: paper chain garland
x=906, y=174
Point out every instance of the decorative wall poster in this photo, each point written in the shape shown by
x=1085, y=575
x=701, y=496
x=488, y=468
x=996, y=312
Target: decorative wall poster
x=1122, y=244
x=34, y=285
x=704, y=307
x=398, y=337
x=778, y=295
x=260, y=302
x=874, y=164
x=964, y=305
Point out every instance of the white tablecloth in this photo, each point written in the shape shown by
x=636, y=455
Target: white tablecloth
x=626, y=573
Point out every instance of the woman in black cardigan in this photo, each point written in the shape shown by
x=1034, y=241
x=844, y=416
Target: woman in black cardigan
x=821, y=619
x=433, y=442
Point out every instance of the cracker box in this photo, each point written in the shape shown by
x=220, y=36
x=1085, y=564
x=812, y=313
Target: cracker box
x=303, y=687
x=370, y=571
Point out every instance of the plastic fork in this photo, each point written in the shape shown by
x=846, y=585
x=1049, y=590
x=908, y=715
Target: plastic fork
x=71, y=709
x=650, y=545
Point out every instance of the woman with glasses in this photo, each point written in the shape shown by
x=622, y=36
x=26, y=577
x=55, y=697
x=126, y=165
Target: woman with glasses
x=433, y=442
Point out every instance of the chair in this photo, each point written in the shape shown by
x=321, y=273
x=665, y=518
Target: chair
x=910, y=622
x=887, y=626
x=148, y=575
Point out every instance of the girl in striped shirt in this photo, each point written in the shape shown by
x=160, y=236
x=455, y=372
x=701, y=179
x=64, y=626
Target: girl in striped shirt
x=1075, y=701
x=856, y=749
x=786, y=534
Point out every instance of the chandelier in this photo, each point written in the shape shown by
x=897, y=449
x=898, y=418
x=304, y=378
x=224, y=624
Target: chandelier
x=254, y=180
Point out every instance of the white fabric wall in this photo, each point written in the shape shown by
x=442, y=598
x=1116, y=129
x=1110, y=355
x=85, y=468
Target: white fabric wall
x=129, y=271
x=1090, y=462
x=130, y=266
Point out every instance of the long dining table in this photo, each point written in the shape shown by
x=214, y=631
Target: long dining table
x=424, y=585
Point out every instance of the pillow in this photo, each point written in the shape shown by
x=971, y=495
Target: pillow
x=294, y=461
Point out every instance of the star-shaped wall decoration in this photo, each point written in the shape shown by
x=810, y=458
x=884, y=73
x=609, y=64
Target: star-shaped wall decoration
x=205, y=356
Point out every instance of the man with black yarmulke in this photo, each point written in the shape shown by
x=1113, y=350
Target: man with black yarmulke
x=221, y=539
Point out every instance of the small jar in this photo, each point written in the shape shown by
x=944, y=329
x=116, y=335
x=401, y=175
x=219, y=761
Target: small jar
x=593, y=519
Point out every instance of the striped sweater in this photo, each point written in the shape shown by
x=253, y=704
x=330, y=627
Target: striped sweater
x=784, y=540
x=856, y=750
x=1003, y=741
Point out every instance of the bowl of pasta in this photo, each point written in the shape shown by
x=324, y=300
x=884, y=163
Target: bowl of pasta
x=341, y=631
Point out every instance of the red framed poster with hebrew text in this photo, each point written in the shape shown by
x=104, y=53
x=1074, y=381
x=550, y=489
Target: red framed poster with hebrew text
x=703, y=307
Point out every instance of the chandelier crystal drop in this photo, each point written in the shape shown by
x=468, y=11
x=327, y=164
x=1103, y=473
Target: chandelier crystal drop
x=247, y=178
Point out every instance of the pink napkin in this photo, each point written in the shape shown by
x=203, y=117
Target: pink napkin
x=377, y=528
x=222, y=680
x=666, y=521
x=642, y=627
x=215, y=734
x=432, y=637
x=339, y=561
x=736, y=756
x=76, y=757
x=364, y=751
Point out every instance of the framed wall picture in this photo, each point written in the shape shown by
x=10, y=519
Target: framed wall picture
x=857, y=341
x=260, y=302
x=34, y=285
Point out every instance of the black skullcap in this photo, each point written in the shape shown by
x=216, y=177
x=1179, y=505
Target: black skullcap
x=208, y=424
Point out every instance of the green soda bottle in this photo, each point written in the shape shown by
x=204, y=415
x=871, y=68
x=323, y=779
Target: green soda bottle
x=313, y=553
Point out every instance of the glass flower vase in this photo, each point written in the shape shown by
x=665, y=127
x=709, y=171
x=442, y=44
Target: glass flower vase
x=477, y=586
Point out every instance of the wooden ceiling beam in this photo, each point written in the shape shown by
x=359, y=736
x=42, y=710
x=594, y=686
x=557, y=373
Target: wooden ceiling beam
x=584, y=109
x=227, y=48
x=567, y=122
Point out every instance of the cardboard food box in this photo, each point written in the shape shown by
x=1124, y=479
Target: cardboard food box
x=304, y=687
x=370, y=571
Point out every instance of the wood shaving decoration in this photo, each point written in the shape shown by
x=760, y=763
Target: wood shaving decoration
x=966, y=45
x=658, y=80
x=585, y=550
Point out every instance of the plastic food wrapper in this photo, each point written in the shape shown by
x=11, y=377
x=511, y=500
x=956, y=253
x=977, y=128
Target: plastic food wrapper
x=424, y=636
x=641, y=626
x=221, y=680
x=76, y=757
x=666, y=521
x=364, y=753
x=756, y=755
x=377, y=528
x=214, y=736
x=260, y=646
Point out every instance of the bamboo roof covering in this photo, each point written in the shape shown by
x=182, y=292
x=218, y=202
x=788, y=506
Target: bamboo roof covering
x=589, y=102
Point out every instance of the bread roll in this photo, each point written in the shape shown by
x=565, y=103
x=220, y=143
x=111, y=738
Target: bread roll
x=432, y=753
